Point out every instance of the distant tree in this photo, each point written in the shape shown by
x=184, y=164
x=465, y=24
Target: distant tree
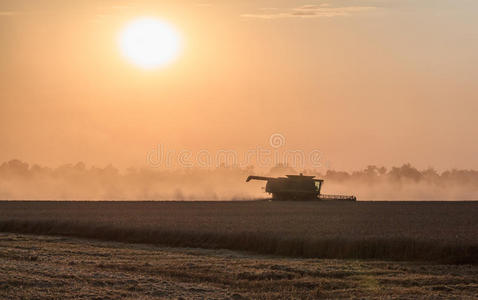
x=15, y=167
x=281, y=169
x=337, y=175
x=405, y=172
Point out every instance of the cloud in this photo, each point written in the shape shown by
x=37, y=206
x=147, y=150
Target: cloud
x=312, y=11
x=120, y=6
x=204, y=4
x=8, y=13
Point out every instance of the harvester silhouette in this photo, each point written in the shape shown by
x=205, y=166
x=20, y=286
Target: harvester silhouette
x=297, y=187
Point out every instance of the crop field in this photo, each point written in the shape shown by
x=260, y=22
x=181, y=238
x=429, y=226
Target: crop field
x=445, y=232
x=47, y=267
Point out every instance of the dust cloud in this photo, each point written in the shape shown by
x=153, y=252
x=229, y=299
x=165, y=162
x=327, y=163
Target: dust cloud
x=22, y=181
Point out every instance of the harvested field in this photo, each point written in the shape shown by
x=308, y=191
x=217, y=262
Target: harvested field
x=427, y=231
x=45, y=267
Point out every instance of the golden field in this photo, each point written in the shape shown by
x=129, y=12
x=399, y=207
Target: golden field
x=421, y=231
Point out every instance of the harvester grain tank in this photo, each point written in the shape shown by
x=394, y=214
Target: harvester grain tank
x=297, y=187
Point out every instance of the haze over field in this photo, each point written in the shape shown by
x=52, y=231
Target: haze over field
x=365, y=82
x=20, y=181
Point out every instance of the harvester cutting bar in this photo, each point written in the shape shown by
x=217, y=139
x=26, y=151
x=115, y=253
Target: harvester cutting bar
x=337, y=197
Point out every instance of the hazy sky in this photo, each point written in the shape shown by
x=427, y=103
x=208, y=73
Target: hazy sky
x=365, y=82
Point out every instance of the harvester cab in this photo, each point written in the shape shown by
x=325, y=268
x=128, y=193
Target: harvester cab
x=297, y=187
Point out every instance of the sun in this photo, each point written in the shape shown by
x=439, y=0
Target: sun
x=149, y=42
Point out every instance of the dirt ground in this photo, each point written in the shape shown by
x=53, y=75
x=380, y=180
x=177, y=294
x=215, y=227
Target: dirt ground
x=44, y=267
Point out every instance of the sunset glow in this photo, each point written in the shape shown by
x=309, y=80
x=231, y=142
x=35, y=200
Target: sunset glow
x=149, y=43
x=102, y=82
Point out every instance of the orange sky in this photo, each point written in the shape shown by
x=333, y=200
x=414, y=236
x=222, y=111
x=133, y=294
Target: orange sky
x=364, y=82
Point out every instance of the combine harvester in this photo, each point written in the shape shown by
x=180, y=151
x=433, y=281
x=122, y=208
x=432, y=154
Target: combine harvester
x=297, y=187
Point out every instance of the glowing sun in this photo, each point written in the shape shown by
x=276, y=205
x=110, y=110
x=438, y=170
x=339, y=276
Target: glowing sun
x=149, y=43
